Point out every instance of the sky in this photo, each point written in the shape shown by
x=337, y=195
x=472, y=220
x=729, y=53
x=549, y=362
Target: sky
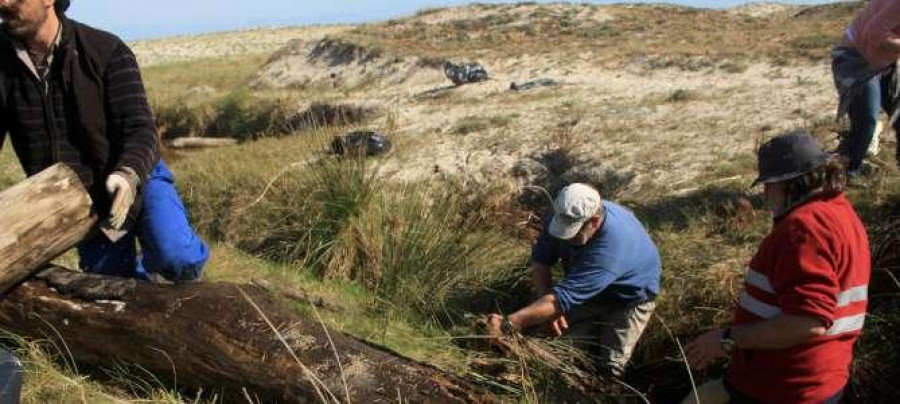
x=134, y=20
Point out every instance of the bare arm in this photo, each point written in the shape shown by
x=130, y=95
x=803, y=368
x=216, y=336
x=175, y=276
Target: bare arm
x=541, y=311
x=783, y=331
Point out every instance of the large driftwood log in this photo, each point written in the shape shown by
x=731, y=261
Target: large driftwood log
x=214, y=336
x=41, y=218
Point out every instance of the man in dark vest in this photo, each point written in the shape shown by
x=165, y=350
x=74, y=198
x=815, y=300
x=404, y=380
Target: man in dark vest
x=73, y=94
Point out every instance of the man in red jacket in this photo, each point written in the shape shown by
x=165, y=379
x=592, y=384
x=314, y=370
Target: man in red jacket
x=804, y=300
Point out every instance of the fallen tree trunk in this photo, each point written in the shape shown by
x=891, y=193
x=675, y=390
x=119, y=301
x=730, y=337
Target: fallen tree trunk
x=41, y=218
x=215, y=337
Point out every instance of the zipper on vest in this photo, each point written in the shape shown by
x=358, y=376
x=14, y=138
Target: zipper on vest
x=50, y=119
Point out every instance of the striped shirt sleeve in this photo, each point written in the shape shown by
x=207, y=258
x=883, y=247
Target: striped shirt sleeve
x=131, y=121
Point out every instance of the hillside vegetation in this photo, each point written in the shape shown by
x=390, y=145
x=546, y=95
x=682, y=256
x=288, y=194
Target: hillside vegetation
x=661, y=107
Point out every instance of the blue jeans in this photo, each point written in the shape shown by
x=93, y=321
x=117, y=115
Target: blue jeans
x=864, y=108
x=169, y=246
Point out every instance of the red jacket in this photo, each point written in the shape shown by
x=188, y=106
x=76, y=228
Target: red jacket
x=815, y=262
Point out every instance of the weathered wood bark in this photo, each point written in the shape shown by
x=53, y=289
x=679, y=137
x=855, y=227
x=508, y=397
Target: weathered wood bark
x=210, y=335
x=41, y=218
x=201, y=142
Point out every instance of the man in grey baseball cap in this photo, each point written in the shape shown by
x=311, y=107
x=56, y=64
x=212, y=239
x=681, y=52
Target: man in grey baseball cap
x=612, y=271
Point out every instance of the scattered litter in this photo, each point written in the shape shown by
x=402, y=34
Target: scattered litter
x=465, y=73
x=528, y=85
x=369, y=143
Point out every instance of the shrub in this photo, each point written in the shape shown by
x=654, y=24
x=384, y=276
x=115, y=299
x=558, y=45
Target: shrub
x=237, y=114
x=241, y=115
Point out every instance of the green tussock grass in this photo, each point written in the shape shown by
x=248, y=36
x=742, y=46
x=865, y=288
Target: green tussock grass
x=413, y=245
x=211, y=97
x=402, y=264
x=236, y=114
x=399, y=264
x=347, y=307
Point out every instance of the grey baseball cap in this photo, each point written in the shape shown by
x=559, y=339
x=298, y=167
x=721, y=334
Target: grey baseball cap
x=574, y=205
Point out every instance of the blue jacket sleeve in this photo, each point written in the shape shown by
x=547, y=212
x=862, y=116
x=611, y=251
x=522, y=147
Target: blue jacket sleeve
x=584, y=281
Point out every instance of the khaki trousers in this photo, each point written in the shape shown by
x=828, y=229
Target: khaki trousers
x=609, y=331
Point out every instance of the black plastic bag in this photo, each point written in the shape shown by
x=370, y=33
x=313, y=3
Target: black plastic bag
x=369, y=143
x=465, y=73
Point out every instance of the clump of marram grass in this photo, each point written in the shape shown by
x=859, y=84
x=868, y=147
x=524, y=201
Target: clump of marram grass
x=313, y=213
x=432, y=252
x=416, y=245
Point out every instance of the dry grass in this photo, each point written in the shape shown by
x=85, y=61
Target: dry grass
x=659, y=106
x=239, y=45
x=671, y=91
x=338, y=218
x=659, y=35
x=50, y=376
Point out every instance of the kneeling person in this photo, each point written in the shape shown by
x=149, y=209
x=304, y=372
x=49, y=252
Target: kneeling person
x=612, y=271
x=73, y=94
x=805, y=293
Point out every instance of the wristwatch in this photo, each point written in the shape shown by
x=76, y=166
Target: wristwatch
x=728, y=344
x=507, y=327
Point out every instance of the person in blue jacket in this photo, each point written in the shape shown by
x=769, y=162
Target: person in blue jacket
x=612, y=275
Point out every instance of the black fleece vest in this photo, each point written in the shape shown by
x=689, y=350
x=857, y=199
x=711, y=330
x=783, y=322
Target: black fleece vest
x=82, y=56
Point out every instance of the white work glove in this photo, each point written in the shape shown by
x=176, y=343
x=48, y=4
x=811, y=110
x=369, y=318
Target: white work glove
x=122, y=188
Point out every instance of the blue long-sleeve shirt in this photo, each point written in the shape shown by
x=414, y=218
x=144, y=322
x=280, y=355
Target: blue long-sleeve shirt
x=620, y=263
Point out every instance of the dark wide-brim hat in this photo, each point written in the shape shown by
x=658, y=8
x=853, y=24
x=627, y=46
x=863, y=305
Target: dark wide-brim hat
x=789, y=156
x=62, y=5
